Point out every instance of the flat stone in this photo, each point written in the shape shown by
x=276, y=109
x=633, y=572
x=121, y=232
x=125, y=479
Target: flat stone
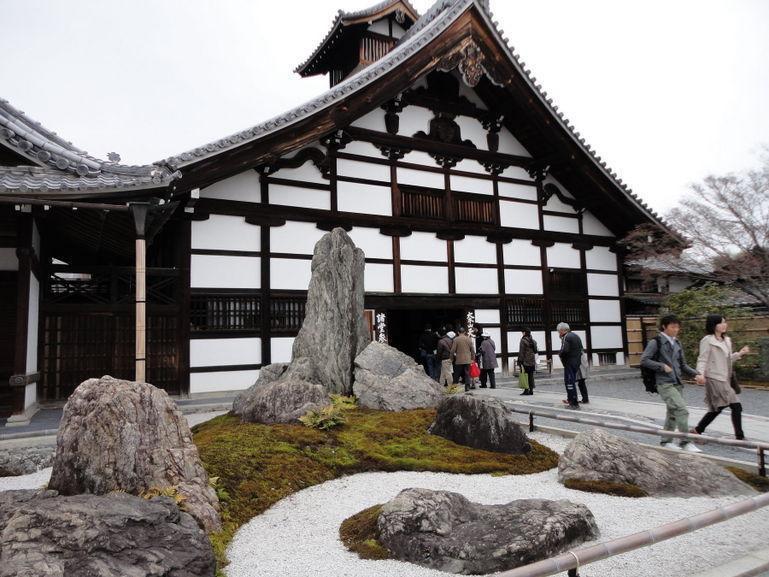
x=445, y=531
x=24, y=460
x=388, y=380
x=479, y=423
x=597, y=455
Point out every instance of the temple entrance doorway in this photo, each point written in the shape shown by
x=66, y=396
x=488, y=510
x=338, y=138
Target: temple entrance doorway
x=406, y=325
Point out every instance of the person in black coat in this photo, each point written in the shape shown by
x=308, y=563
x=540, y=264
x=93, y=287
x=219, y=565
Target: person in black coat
x=571, y=356
x=428, y=343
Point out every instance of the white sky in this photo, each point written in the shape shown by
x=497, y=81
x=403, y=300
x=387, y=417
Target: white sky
x=667, y=91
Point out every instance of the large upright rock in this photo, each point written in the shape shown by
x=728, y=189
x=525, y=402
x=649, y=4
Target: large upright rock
x=117, y=535
x=479, y=423
x=388, y=380
x=120, y=435
x=597, y=455
x=447, y=532
x=334, y=330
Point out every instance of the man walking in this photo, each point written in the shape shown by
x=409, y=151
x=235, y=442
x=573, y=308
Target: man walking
x=444, y=356
x=462, y=351
x=571, y=355
x=428, y=342
x=665, y=356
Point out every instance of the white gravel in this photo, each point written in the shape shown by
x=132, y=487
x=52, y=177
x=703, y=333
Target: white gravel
x=299, y=536
x=31, y=481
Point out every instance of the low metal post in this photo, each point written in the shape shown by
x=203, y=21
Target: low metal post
x=531, y=421
x=761, y=461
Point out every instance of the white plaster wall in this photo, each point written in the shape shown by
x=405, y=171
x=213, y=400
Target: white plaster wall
x=362, y=148
x=514, y=190
x=469, y=184
x=413, y=119
x=424, y=279
x=419, y=157
x=521, y=253
x=290, y=274
x=373, y=243
x=602, y=285
x=209, y=271
x=374, y=120
x=469, y=165
x=307, y=172
x=561, y=224
x=472, y=129
x=601, y=258
x=356, y=169
x=285, y=195
x=520, y=282
x=518, y=214
x=517, y=172
x=8, y=259
x=222, y=232
x=487, y=316
x=514, y=341
x=475, y=249
x=509, y=144
x=604, y=311
x=606, y=337
x=244, y=187
x=364, y=198
x=397, y=30
x=591, y=225
x=476, y=280
x=30, y=395
x=420, y=178
x=380, y=27
x=561, y=255
x=222, y=381
x=35, y=238
x=378, y=278
x=556, y=205
x=32, y=324
x=620, y=358
x=281, y=349
x=218, y=352
x=295, y=237
x=423, y=246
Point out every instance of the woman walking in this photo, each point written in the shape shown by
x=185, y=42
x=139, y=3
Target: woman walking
x=489, y=363
x=716, y=364
x=527, y=355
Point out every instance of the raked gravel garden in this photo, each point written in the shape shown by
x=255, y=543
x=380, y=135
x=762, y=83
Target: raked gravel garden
x=299, y=535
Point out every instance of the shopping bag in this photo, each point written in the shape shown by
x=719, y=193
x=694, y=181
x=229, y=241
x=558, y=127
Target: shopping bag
x=523, y=380
x=475, y=370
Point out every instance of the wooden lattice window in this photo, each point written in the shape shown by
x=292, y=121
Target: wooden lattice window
x=422, y=203
x=569, y=311
x=525, y=312
x=287, y=313
x=225, y=312
x=473, y=208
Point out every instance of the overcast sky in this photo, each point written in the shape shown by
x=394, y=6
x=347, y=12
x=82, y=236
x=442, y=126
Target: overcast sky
x=667, y=91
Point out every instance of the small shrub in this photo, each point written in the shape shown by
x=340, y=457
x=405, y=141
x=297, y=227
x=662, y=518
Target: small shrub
x=360, y=535
x=452, y=390
x=606, y=487
x=344, y=403
x=324, y=419
x=759, y=483
x=169, y=491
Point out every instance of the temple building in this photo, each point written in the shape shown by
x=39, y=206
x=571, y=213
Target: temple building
x=472, y=196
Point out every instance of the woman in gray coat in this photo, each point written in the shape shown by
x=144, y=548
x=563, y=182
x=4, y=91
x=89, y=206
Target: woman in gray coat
x=488, y=361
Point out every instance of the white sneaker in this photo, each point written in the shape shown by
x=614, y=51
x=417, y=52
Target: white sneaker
x=690, y=448
x=669, y=445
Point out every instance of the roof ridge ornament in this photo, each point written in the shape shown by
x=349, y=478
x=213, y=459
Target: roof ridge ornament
x=469, y=59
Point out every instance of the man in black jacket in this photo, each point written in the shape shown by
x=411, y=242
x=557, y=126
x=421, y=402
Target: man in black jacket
x=571, y=355
x=428, y=342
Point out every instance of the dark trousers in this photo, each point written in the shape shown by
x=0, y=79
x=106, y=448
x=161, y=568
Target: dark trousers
x=530, y=372
x=430, y=363
x=488, y=374
x=583, y=390
x=463, y=372
x=736, y=420
x=570, y=381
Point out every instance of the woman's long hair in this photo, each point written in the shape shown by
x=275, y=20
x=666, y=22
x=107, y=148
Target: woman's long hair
x=711, y=321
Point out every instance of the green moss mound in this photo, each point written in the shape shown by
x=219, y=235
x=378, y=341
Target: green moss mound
x=258, y=465
x=759, y=483
x=360, y=535
x=606, y=487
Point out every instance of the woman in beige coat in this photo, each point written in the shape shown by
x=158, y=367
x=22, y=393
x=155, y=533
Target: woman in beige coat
x=716, y=363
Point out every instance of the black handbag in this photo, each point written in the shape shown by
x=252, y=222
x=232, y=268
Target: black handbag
x=735, y=383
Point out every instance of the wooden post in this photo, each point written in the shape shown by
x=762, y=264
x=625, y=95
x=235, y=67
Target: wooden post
x=139, y=212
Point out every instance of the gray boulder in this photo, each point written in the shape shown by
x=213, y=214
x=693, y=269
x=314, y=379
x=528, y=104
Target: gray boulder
x=120, y=435
x=24, y=460
x=116, y=535
x=479, y=423
x=596, y=455
x=445, y=531
x=388, y=380
x=334, y=331
x=267, y=375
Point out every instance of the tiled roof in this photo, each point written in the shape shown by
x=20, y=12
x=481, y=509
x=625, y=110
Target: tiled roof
x=34, y=180
x=341, y=20
x=439, y=17
x=57, y=165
